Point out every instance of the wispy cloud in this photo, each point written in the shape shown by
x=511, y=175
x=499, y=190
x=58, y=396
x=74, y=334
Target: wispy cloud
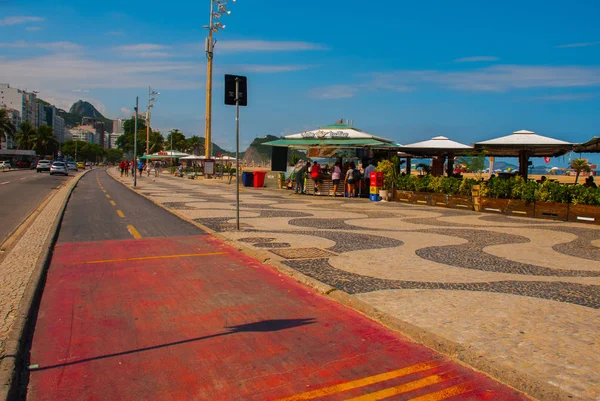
x=19, y=19
x=33, y=28
x=125, y=112
x=80, y=90
x=334, y=92
x=583, y=44
x=500, y=78
x=52, y=46
x=476, y=59
x=267, y=46
x=141, y=47
x=266, y=69
x=153, y=54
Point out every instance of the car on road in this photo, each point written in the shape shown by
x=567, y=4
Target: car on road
x=80, y=165
x=59, y=168
x=43, y=165
x=72, y=166
x=4, y=164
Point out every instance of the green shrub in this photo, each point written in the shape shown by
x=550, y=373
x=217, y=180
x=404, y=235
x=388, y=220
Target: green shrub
x=581, y=195
x=422, y=183
x=550, y=191
x=466, y=186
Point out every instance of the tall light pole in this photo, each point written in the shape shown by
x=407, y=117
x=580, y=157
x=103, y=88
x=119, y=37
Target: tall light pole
x=135, y=167
x=221, y=8
x=151, y=100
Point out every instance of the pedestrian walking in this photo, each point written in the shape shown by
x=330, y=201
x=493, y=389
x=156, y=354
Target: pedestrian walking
x=141, y=167
x=157, y=168
x=300, y=178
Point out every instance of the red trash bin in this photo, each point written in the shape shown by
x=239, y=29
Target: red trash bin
x=259, y=179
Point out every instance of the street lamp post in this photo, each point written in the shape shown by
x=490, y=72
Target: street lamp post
x=151, y=100
x=135, y=129
x=221, y=8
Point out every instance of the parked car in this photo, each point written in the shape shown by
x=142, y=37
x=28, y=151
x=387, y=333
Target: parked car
x=23, y=164
x=80, y=165
x=43, y=165
x=4, y=164
x=72, y=166
x=59, y=168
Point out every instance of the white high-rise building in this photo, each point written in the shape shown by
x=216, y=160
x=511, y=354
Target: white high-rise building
x=113, y=140
x=25, y=103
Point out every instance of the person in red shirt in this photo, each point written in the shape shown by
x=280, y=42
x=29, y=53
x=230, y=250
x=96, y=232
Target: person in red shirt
x=122, y=167
x=315, y=174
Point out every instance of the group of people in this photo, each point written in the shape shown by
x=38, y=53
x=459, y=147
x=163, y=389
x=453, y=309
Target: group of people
x=126, y=165
x=350, y=174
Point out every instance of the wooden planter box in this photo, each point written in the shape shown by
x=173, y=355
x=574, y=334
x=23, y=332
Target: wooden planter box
x=584, y=214
x=419, y=198
x=493, y=205
x=402, y=196
x=460, y=202
x=552, y=211
x=520, y=208
x=438, y=200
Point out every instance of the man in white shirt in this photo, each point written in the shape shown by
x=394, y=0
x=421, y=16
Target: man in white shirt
x=368, y=170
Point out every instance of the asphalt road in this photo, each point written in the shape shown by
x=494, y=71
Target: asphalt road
x=102, y=209
x=20, y=193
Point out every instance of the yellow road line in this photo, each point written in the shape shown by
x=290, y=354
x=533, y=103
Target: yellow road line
x=133, y=232
x=445, y=393
x=366, y=381
x=401, y=389
x=185, y=255
x=112, y=202
x=120, y=213
x=107, y=196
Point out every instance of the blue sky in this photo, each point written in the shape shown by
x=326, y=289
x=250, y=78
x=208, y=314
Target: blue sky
x=408, y=71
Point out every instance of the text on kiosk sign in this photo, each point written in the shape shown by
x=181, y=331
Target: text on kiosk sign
x=325, y=134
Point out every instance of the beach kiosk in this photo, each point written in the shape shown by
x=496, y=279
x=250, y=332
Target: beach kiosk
x=329, y=142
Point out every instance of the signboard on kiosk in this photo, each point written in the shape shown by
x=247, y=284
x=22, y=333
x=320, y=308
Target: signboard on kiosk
x=209, y=167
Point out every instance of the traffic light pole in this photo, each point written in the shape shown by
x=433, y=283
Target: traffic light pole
x=135, y=129
x=237, y=151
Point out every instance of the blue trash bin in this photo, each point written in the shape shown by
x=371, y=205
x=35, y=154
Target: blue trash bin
x=248, y=179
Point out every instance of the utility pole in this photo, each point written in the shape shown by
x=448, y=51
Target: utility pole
x=209, y=46
x=135, y=132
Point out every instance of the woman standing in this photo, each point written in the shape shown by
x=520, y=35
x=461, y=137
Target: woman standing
x=349, y=180
x=335, y=177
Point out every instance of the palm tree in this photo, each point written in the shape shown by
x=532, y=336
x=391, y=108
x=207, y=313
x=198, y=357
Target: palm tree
x=25, y=136
x=580, y=165
x=156, y=142
x=45, y=142
x=7, y=128
x=194, y=145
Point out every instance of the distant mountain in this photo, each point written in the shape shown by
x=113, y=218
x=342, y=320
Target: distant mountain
x=86, y=109
x=261, y=154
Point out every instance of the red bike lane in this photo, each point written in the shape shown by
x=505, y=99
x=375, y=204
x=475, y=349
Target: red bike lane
x=195, y=319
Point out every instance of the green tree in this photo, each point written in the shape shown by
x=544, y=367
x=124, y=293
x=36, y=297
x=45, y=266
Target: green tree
x=580, y=165
x=194, y=145
x=156, y=142
x=113, y=155
x=25, y=136
x=70, y=147
x=473, y=163
x=7, y=128
x=45, y=142
x=178, y=140
x=125, y=141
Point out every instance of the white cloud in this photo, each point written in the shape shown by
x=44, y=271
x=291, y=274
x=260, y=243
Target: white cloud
x=80, y=90
x=498, y=78
x=141, y=47
x=266, y=46
x=583, y=44
x=334, y=92
x=476, y=59
x=33, y=28
x=153, y=54
x=20, y=19
x=125, y=112
x=52, y=46
x=266, y=69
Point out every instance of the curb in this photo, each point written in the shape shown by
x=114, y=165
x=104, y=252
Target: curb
x=13, y=376
x=469, y=356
